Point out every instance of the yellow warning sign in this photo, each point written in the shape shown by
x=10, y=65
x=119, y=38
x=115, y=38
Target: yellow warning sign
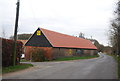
x=38, y=32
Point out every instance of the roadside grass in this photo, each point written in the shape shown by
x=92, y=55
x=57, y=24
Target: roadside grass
x=118, y=61
x=23, y=60
x=15, y=68
x=75, y=58
x=119, y=67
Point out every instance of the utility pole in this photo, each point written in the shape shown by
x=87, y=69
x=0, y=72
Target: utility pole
x=15, y=32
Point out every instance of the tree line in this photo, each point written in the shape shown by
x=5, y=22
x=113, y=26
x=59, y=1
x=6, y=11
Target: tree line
x=115, y=31
x=22, y=36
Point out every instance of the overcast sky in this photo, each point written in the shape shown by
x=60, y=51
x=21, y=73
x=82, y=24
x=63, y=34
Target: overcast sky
x=92, y=17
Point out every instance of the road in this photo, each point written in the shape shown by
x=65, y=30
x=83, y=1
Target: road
x=103, y=67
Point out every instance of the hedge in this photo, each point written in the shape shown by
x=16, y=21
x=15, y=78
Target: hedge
x=7, y=52
x=37, y=55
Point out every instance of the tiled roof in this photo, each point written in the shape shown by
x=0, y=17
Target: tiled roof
x=23, y=41
x=62, y=40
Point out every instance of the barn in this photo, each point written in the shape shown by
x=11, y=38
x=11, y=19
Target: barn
x=58, y=45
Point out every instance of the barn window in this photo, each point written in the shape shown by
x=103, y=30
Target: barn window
x=38, y=32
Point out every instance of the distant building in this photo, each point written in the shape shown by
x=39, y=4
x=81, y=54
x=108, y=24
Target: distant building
x=58, y=45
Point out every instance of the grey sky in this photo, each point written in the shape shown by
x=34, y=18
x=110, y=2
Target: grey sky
x=92, y=17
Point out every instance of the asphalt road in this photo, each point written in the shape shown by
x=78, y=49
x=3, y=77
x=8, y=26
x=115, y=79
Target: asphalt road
x=103, y=67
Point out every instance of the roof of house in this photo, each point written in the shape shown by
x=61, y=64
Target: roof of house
x=62, y=40
x=23, y=41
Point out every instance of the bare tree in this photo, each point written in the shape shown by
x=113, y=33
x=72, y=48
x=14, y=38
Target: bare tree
x=115, y=31
x=81, y=35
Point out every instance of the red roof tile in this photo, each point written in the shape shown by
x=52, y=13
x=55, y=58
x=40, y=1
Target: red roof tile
x=67, y=41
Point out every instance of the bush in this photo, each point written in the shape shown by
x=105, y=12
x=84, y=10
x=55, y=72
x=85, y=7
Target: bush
x=7, y=52
x=37, y=55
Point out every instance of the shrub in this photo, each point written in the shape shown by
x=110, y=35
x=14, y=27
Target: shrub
x=37, y=55
x=7, y=52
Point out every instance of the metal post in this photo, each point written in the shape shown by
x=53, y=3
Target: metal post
x=15, y=32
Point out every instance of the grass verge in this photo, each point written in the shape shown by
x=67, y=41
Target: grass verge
x=75, y=58
x=118, y=61
x=15, y=68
